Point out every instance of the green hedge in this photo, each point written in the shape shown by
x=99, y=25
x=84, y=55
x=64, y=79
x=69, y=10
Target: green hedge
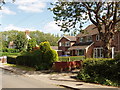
x=102, y=71
x=8, y=54
x=39, y=59
x=71, y=58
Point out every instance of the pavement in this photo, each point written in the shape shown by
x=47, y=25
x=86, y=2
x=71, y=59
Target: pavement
x=64, y=79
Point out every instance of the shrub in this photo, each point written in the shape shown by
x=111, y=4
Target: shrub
x=40, y=59
x=31, y=44
x=117, y=56
x=103, y=71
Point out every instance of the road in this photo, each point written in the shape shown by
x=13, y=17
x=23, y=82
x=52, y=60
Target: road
x=11, y=80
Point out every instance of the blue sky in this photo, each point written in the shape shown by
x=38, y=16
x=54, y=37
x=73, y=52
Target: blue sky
x=28, y=15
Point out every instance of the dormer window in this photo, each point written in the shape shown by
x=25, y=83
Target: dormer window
x=97, y=37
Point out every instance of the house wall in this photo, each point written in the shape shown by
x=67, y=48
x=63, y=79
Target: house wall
x=116, y=41
x=89, y=53
x=64, y=48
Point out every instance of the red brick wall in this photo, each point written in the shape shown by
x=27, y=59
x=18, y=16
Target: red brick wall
x=117, y=41
x=89, y=53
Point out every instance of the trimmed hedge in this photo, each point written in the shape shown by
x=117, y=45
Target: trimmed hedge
x=8, y=54
x=102, y=71
x=71, y=58
x=39, y=59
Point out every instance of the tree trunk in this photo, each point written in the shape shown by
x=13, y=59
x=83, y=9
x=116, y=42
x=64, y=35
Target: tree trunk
x=107, y=48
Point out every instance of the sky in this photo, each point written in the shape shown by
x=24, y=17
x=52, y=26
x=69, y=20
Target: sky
x=28, y=15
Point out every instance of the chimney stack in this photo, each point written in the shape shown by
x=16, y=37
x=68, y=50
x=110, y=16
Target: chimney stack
x=27, y=32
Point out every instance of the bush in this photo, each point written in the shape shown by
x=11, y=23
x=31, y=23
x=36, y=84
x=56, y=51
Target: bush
x=71, y=58
x=31, y=44
x=11, y=60
x=117, y=56
x=102, y=71
x=8, y=54
x=39, y=59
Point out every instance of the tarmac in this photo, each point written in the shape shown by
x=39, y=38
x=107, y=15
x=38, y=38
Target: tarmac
x=63, y=79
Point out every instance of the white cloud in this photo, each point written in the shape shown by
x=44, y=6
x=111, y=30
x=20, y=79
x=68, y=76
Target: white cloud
x=31, y=5
x=6, y=10
x=12, y=27
x=51, y=27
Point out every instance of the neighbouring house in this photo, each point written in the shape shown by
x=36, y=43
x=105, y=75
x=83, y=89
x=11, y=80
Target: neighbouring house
x=11, y=43
x=89, y=44
x=64, y=43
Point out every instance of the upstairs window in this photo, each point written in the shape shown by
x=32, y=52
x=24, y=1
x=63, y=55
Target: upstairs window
x=67, y=44
x=81, y=39
x=97, y=37
x=89, y=38
x=60, y=44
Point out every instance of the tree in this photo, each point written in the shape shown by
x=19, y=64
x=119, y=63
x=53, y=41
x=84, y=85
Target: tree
x=20, y=41
x=42, y=37
x=72, y=16
x=31, y=44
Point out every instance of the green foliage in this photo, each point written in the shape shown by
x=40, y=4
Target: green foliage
x=117, y=56
x=31, y=43
x=44, y=46
x=8, y=54
x=39, y=59
x=71, y=58
x=42, y=37
x=10, y=50
x=102, y=71
x=20, y=41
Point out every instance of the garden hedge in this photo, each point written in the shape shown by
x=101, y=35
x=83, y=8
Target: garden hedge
x=102, y=71
x=39, y=59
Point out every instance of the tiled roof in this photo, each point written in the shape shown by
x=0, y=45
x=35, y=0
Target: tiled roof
x=71, y=38
x=80, y=45
x=54, y=47
x=90, y=30
x=77, y=47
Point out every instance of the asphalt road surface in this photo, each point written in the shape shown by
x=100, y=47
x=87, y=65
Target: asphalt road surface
x=11, y=80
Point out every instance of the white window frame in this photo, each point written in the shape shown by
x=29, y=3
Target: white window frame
x=78, y=54
x=96, y=52
x=60, y=44
x=97, y=37
x=67, y=44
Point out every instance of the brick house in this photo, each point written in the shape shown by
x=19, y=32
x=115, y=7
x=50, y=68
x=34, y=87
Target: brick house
x=89, y=44
x=64, y=43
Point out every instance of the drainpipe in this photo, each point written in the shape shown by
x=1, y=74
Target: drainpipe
x=113, y=52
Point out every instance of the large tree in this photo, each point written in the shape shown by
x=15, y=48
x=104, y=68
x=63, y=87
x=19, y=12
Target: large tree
x=72, y=16
x=21, y=41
